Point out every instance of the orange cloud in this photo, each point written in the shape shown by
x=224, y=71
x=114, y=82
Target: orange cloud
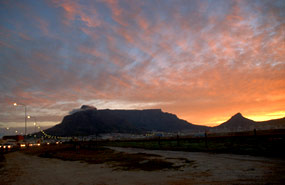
x=202, y=61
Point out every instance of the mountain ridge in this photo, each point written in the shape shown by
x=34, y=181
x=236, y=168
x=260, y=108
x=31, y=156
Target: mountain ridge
x=238, y=122
x=89, y=121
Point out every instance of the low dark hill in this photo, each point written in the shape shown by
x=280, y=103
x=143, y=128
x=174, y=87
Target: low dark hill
x=271, y=124
x=89, y=121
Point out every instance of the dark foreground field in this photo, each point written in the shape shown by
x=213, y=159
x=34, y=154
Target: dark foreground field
x=67, y=164
x=264, y=143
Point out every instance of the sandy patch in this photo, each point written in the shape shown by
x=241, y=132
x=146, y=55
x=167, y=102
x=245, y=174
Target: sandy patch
x=22, y=169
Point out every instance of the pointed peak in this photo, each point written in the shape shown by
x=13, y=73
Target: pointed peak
x=237, y=115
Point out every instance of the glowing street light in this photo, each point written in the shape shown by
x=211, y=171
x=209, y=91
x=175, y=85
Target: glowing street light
x=35, y=126
x=15, y=104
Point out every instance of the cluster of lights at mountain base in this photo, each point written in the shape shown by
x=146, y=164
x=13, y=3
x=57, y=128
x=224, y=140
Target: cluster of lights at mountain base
x=54, y=137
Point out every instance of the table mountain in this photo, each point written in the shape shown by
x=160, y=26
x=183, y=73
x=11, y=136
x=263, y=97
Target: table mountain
x=89, y=121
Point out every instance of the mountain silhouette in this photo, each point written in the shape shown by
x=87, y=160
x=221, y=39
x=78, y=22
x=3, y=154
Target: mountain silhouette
x=90, y=121
x=238, y=123
x=271, y=124
x=87, y=120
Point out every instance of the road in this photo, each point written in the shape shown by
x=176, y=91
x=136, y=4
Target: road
x=209, y=169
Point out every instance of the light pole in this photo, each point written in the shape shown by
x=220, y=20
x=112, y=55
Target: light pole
x=15, y=104
x=35, y=121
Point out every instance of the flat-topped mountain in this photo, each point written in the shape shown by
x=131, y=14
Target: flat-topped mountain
x=89, y=121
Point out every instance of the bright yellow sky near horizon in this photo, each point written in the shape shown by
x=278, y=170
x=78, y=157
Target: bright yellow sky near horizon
x=214, y=121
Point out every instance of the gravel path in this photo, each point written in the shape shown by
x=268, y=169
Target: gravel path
x=210, y=169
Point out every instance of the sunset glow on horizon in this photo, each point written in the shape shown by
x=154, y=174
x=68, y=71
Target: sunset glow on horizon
x=269, y=116
x=201, y=60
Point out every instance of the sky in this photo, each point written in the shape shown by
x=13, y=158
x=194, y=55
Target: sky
x=202, y=60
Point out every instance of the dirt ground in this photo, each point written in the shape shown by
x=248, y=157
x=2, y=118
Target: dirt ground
x=210, y=169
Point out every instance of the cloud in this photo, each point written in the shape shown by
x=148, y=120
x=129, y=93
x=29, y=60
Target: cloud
x=201, y=60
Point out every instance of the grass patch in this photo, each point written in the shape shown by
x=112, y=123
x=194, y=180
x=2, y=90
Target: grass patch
x=185, y=160
x=140, y=162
